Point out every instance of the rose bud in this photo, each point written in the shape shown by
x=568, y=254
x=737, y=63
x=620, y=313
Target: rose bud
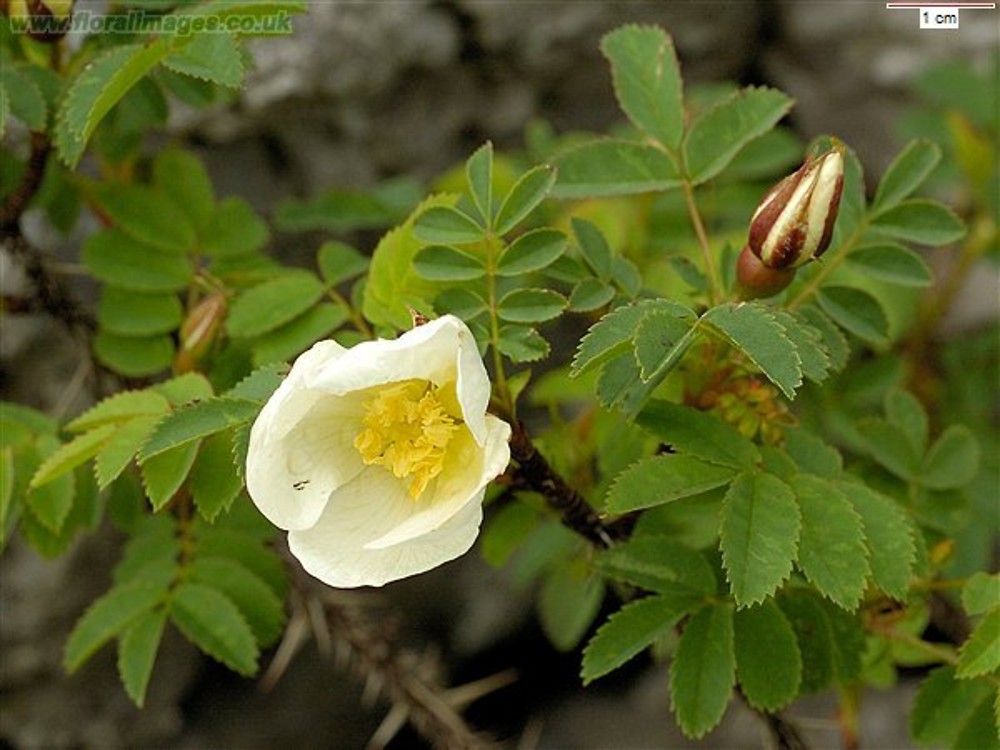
x=199, y=330
x=47, y=20
x=794, y=222
x=757, y=280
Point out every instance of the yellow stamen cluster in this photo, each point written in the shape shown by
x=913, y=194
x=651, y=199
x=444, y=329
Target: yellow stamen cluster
x=407, y=430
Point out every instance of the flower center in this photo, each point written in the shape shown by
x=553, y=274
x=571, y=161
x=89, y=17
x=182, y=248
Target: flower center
x=406, y=429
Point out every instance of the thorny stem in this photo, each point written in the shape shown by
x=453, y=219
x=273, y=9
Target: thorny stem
x=711, y=268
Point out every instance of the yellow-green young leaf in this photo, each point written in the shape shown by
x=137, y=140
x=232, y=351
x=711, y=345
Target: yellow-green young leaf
x=532, y=251
x=51, y=503
x=210, y=57
x=647, y=80
x=6, y=489
x=531, y=305
x=569, y=601
x=214, y=482
x=120, y=408
x=759, y=535
x=812, y=455
x=837, y=348
x=146, y=214
x=907, y=172
x=919, y=220
x=197, y=421
x=530, y=190
x=96, y=88
x=443, y=263
x=182, y=176
x=608, y=167
x=981, y=593
x=127, y=313
x=656, y=480
x=952, y=461
x=891, y=263
x=338, y=262
x=479, y=174
x=768, y=663
x=257, y=602
x=754, y=330
x=122, y=261
x=233, y=229
x=856, y=311
x=137, y=647
x=904, y=410
x=164, y=473
x=980, y=654
x=266, y=306
x=943, y=705
x=112, y=612
x=134, y=356
x=832, y=550
x=121, y=448
x=191, y=386
x=699, y=434
x=658, y=563
x=295, y=337
x=888, y=536
x=70, y=455
x=702, y=673
x=719, y=133
x=632, y=629
x=213, y=623
x=446, y=225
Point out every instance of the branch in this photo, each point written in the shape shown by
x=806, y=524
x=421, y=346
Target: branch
x=19, y=198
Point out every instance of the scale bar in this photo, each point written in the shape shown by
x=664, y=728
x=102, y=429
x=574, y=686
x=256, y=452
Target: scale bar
x=971, y=6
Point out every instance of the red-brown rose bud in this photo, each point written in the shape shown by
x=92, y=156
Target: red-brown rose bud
x=794, y=222
x=43, y=20
x=199, y=330
x=757, y=280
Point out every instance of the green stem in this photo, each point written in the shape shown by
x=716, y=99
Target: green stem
x=503, y=388
x=714, y=280
x=356, y=318
x=829, y=266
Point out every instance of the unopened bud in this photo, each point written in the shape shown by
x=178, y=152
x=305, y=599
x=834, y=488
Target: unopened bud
x=44, y=20
x=198, y=332
x=794, y=222
x=756, y=280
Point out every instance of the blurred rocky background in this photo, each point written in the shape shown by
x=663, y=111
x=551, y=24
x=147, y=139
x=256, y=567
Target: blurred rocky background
x=369, y=90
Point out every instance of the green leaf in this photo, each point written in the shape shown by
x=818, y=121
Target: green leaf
x=907, y=172
x=981, y=593
x=699, y=434
x=341, y=211
x=266, y=306
x=257, y=602
x=119, y=408
x=856, y=311
x=479, y=173
x=191, y=386
x=805, y=613
x=70, y=455
x=660, y=564
x=835, y=342
x=463, y=303
x=905, y=411
x=953, y=460
x=607, y=167
x=182, y=176
x=122, y=261
x=212, y=622
x=96, y=88
x=523, y=344
x=25, y=98
x=753, y=330
x=214, y=482
x=146, y=214
x=197, y=421
x=530, y=190
x=112, y=613
x=152, y=550
x=214, y=57
x=531, y=305
x=137, y=649
x=943, y=705
x=980, y=731
x=647, y=80
x=506, y=531
x=164, y=473
x=702, y=673
x=443, y=263
x=609, y=337
x=808, y=343
x=568, y=603
x=662, y=337
x=126, y=313
x=656, y=480
x=832, y=550
x=812, y=455
x=532, y=251
x=259, y=384
x=630, y=630
x=339, y=262
x=593, y=247
x=446, y=225
x=768, y=662
x=892, y=550
x=121, y=448
x=234, y=229
x=52, y=503
x=891, y=263
x=980, y=654
x=296, y=336
x=759, y=535
x=717, y=135
x=589, y=295
x=889, y=446
x=247, y=551
x=919, y=220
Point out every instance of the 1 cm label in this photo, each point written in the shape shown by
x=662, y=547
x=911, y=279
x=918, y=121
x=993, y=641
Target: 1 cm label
x=939, y=18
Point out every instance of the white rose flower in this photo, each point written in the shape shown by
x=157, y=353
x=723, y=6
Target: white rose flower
x=376, y=458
